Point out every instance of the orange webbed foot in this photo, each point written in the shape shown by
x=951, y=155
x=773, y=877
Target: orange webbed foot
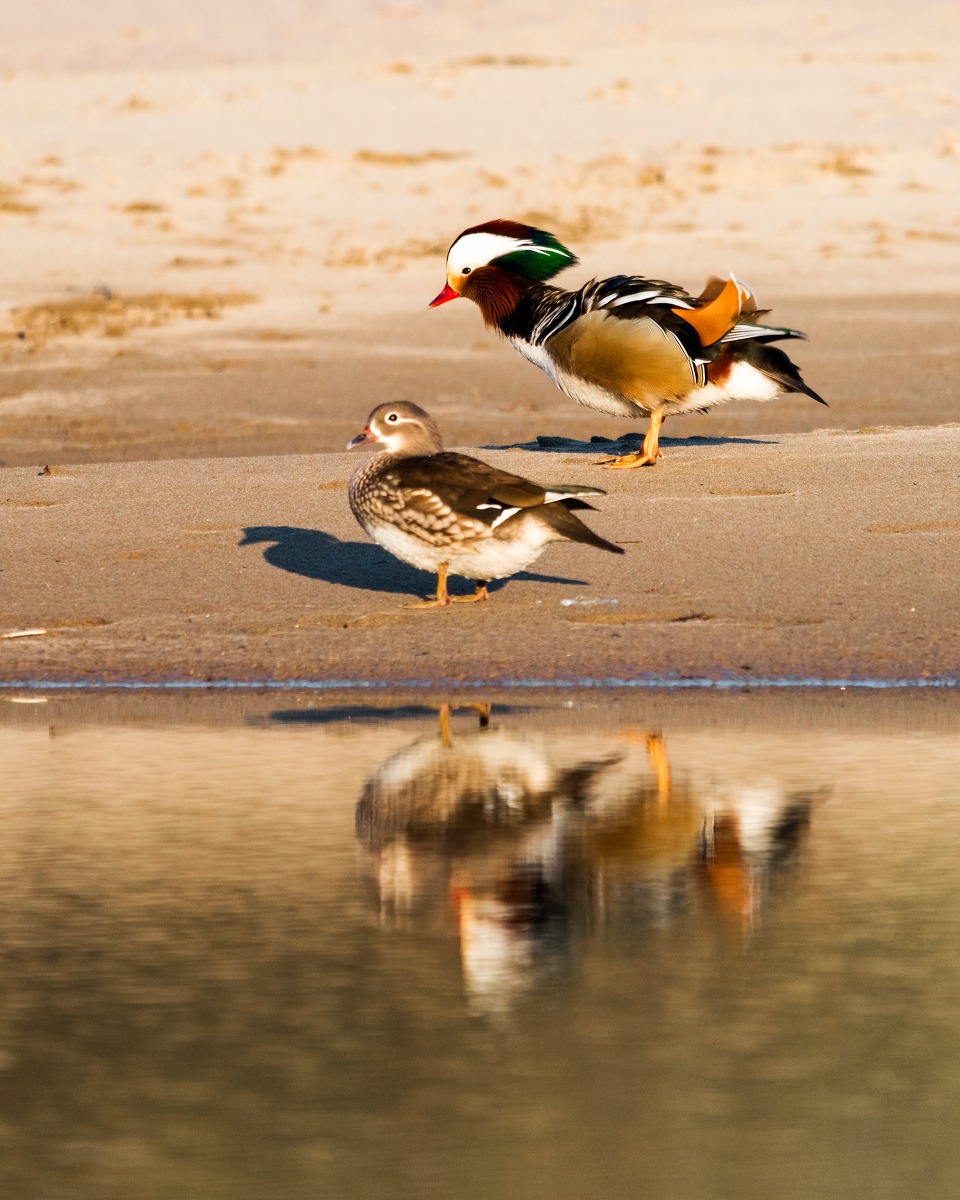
x=638, y=459
x=480, y=594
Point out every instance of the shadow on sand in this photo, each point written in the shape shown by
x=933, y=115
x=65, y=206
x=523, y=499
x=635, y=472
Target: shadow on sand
x=375, y=715
x=625, y=444
x=319, y=555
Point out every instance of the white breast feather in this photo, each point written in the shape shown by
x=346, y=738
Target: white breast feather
x=538, y=356
x=594, y=396
x=744, y=382
x=486, y=558
x=577, y=389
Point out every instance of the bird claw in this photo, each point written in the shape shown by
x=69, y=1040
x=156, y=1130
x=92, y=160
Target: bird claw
x=637, y=459
x=480, y=594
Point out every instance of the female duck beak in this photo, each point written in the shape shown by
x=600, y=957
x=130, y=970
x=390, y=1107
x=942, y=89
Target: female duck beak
x=447, y=294
x=362, y=438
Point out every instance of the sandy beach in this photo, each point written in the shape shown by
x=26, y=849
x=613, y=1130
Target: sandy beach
x=217, y=241
x=819, y=555
x=637, y=879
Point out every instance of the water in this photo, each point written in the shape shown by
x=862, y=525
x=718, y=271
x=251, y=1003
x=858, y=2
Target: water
x=289, y=945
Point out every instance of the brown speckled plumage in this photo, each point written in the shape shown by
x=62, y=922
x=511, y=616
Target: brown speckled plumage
x=443, y=511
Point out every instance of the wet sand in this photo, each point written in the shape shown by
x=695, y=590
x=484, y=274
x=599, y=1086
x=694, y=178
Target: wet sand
x=803, y=555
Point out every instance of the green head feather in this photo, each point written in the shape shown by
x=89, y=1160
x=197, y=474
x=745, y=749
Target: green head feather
x=542, y=257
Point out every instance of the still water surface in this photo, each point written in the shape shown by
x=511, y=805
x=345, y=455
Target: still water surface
x=660, y=946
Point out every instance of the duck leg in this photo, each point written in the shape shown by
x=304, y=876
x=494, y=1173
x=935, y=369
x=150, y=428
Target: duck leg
x=444, y=713
x=443, y=597
x=657, y=751
x=648, y=453
x=480, y=594
x=727, y=871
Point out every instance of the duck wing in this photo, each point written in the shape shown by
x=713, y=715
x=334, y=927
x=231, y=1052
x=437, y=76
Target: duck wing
x=451, y=491
x=649, y=340
x=626, y=336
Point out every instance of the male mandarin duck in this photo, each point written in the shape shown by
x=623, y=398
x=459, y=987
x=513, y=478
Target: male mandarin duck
x=627, y=346
x=452, y=514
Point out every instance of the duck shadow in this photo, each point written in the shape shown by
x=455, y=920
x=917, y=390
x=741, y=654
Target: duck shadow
x=626, y=443
x=363, y=565
x=371, y=714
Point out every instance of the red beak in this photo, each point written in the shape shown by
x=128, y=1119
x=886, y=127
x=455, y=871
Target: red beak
x=447, y=294
x=362, y=438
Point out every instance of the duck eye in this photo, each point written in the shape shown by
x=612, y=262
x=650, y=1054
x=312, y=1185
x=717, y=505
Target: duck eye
x=466, y=270
x=392, y=417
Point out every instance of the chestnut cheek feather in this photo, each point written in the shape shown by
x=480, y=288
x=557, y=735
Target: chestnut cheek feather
x=494, y=292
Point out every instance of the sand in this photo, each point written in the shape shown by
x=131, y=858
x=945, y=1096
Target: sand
x=217, y=241
x=318, y=160
x=811, y=555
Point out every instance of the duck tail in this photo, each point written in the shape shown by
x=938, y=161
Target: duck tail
x=571, y=529
x=571, y=491
x=775, y=364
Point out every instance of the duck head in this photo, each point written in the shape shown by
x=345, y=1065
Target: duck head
x=492, y=263
x=400, y=428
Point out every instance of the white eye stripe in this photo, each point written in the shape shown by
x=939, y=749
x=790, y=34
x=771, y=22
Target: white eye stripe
x=474, y=243
x=477, y=249
x=474, y=250
x=533, y=248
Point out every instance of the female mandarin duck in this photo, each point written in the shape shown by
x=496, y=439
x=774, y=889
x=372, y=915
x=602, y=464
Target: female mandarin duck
x=452, y=514
x=627, y=346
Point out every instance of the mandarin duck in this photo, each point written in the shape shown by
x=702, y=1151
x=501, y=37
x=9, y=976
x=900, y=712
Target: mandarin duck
x=451, y=514
x=470, y=826
x=525, y=837
x=465, y=793
x=626, y=346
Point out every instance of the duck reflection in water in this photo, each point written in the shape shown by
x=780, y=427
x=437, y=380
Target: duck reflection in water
x=524, y=838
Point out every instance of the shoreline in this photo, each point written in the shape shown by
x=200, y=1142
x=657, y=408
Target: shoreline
x=824, y=556
x=659, y=683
